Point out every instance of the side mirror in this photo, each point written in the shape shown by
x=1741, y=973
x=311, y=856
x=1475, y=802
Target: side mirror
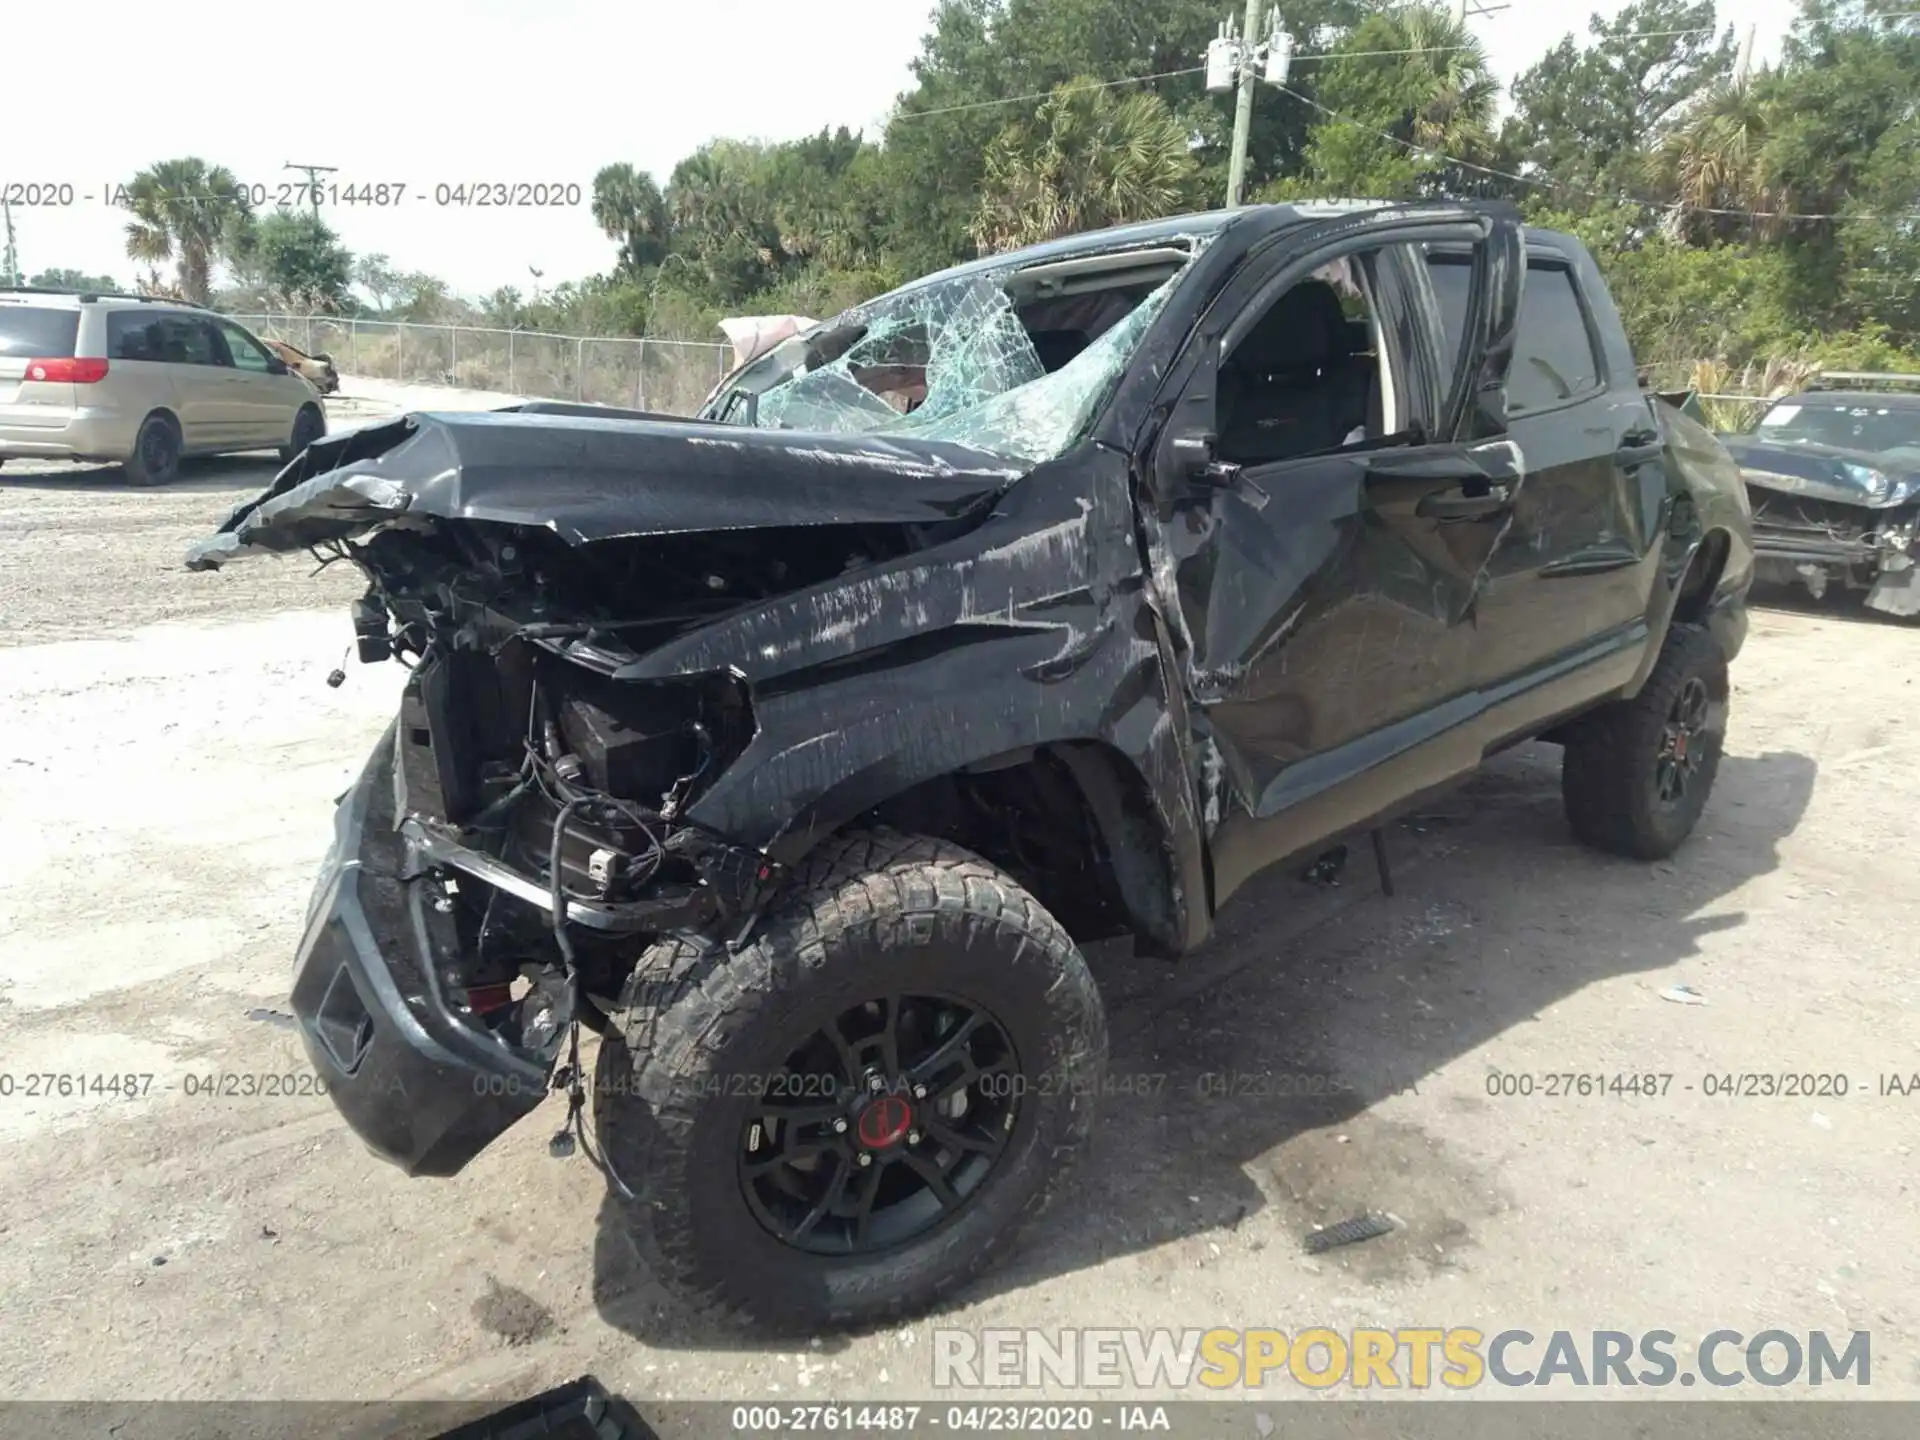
x=1195, y=458
x=276, y=366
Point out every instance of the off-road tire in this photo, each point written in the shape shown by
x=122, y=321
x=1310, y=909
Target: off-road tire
x=871, y=913
x=308, y=426
x=156, y=452
x=1608, y=772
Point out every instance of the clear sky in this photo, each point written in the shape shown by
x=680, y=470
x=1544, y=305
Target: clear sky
x=431, y=92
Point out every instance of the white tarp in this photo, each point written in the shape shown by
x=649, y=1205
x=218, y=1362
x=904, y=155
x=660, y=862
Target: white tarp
x=753, y=335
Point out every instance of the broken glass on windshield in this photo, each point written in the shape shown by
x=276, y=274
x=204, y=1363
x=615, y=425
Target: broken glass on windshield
x=965, y=361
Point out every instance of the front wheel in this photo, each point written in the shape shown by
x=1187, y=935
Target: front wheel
x=1636, y=773
x=856, y=1112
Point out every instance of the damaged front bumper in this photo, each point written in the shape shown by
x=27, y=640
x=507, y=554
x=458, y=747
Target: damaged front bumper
x=379, y=983
x=1823, y=544
x=423, y=1086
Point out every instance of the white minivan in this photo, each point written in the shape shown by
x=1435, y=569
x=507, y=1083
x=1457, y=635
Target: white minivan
x=142, y=381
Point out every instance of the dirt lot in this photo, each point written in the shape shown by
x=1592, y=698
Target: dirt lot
x=168, y=751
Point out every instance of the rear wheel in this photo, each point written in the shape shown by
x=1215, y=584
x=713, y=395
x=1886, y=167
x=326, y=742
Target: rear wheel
x=308, y=426
x=156, y=452
x=1636, y=773
x=854, y=1114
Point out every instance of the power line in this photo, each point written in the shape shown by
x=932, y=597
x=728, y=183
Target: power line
x=1334, y=54
x=1451, y=49
x=1298, y=55
x=1047, y=94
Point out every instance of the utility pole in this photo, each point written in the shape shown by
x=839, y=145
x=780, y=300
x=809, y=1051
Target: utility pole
x=1745, y=62
x=9, y=260
x=1236, y=61
x=313, y=185
x=1243, y=113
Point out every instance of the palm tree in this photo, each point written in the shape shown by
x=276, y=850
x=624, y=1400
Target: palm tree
x=1455, y=93
x=1716, y=159
x=186, y=212
x=1087, y=159
x=628, y=208
x=1406, y=94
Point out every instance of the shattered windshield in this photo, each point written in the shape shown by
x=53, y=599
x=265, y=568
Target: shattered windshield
x=1846, y=427
x=980, y=360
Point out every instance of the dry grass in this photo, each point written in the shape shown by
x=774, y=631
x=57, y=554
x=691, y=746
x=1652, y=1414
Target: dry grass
x=1718, y=385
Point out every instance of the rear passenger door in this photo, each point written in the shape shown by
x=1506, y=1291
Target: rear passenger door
x=184, y=344
x=1573, y=573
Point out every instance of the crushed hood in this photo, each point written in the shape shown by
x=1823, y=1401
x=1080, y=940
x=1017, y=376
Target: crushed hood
x=587, y=478
x=1819, y=472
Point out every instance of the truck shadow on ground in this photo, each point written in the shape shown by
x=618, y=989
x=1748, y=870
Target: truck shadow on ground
x=1239, y=1112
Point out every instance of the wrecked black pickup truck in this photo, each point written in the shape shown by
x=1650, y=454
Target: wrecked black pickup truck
x=798, y=748
x=1833, y=475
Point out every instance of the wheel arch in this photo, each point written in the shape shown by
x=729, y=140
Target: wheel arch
x=1073, y=821
x=162, y=412
x=1702, y=577
x=1695, y=573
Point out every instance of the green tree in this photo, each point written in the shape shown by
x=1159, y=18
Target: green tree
x=298, y=256
x=375, y=274
x=1716, y=160
x=59, y=279
x=1087, y=159
x=1839, y=141
x=1410, y=92
x=629, y=209
x=423, y=299
x=186, y=213
x=1586, y=114
x=984, y=61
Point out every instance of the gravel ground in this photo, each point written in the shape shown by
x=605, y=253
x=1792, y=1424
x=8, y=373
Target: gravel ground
x=168, y=751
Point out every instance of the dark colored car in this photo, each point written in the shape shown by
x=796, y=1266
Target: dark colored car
x=1834, y=479
x=799, y=747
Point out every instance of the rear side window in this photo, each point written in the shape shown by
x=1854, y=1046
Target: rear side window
x=36, y=333
x=180, y=340
x=133, y=335
x=1553, y=355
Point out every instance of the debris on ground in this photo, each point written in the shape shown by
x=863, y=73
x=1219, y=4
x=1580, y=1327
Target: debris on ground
x=1369, y=1226
x=1683, y=995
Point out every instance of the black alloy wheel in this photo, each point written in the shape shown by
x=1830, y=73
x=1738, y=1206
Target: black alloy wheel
x=857, y=1111
x=1683, y=742
x=881, y=1124
x=1636, y=773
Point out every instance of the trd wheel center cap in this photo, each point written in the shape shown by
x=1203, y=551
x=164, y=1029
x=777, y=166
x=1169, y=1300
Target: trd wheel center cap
x=884, y=1121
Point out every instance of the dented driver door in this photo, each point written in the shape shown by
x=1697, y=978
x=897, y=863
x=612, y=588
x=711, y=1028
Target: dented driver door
x=1324, y=573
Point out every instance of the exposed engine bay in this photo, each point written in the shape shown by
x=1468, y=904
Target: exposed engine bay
x=1822, y=544
x=524, y=758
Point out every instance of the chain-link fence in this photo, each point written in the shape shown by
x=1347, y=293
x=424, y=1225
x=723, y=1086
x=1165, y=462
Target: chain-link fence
x=668, y=376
